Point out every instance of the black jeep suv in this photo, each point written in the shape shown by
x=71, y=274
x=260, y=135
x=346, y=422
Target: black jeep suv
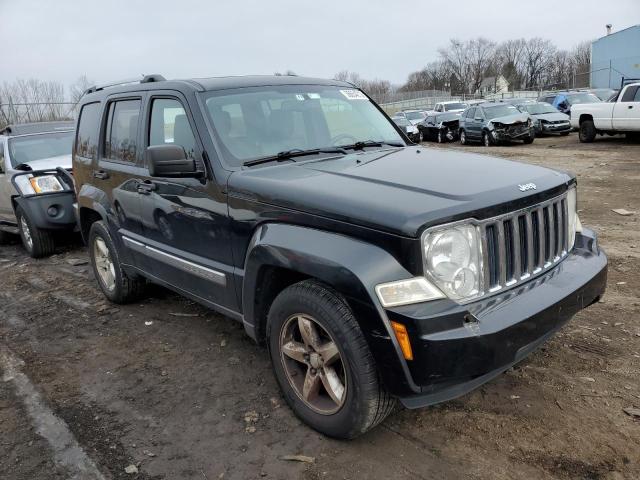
x=374, y=270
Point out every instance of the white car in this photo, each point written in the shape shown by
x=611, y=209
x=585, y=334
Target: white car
x=451, y=106
x=620, y=115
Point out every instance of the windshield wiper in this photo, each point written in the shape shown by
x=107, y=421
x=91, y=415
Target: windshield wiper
x=289, y=154
x=371, y=143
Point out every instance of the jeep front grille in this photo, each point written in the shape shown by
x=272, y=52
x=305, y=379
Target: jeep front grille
x=525, y=243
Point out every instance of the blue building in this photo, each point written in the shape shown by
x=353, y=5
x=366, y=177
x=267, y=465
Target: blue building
x=615, y=56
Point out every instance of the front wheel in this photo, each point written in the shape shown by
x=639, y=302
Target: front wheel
x=440, y=137
x=463, y=137
x=528, y=140
x=420, y=137
x=37, y=242
x=115, y=283
x=486, y=139
x=587, y=132
x=323, y=363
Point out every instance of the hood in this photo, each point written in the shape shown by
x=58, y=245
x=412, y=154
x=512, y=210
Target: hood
x=398, y=190
x=63, y=161
x=552, y=117
x=511, y=119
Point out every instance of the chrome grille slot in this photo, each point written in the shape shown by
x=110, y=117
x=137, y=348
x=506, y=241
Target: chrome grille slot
x=525, y=243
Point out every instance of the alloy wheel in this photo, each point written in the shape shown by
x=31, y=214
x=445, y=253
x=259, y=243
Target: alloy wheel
x=26, y=232
x=104, y=264
x=313, y=364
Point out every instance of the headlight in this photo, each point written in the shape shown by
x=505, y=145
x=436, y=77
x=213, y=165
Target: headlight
x=38, y=184
x=452, y=259
x=46, y=184
x=529, y=123
x=574, y=221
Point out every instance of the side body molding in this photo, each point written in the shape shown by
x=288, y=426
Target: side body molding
x=351, y=267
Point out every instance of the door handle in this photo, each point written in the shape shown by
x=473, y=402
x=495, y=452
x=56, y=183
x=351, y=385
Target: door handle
x=630, y=106
x=147, y=188
x=101, y=174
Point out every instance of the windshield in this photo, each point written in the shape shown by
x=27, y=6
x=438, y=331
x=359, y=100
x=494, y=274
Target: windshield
x=37, y=147
x=500, y=111
x=539, y=108
x=415, y=115
x=259, y=122
x=582, y=98
x=454, y=106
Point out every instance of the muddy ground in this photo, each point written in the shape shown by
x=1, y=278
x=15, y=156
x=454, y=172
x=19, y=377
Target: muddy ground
x=180, y=392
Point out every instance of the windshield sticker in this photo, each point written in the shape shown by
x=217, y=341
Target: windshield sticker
x=353, y=94
x=313, y=96
x=300, y=97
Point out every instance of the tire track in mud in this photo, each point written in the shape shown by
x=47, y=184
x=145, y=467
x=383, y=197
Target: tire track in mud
x=67, y=452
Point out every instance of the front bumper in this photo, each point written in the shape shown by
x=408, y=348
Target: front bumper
x=506, y=136
x=459, y=347
x=50, y=210
x=556, y=127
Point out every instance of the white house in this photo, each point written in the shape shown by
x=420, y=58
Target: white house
x=490, y=85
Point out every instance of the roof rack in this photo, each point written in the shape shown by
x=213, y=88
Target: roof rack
x=145, y=79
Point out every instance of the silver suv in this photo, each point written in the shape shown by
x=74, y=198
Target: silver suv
x=36, y=187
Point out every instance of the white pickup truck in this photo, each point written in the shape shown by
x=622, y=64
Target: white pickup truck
x=619, y=115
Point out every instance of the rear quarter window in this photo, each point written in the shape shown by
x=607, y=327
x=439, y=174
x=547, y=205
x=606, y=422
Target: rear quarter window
x=88, y=131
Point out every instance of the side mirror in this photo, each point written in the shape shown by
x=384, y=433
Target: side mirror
x=169, y=161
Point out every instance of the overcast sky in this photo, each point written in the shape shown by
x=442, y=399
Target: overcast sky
x=116, y=39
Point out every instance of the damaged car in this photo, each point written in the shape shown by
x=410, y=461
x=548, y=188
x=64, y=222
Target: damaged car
x=411, y=130
x=440, y=127
x=546, y=118
x=494, y=124
x=36, y=187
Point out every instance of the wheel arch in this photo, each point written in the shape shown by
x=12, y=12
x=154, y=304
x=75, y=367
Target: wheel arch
x=280, y=255
x=584, y=117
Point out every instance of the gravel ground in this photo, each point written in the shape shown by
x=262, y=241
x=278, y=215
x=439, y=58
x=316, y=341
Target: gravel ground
x=178, y=391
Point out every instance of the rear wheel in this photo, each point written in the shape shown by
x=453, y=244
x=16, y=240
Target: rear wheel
x=38, y=243
x=323, y=363
x=115, y=283
x=587, y=133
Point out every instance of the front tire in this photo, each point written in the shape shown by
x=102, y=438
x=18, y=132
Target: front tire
x=115, y=283
x=322, y=362
x=587, y=132
x=440, y=137
x=463, y=138
x=38, y=243
x=486, y=139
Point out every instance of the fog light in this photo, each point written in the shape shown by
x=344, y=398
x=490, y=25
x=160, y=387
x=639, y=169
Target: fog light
x=52, y=211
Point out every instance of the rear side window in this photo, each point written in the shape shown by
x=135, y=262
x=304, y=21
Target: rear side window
x=88, y=129
x=121, y=136
x=170, y=126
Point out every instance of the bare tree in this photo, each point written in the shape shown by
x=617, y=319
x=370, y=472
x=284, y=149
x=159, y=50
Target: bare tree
x=509, y=61
x=538, y=54
x=480, y=57
x=77, y=89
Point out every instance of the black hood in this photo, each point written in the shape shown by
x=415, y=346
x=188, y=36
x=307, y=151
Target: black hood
x=399, y=190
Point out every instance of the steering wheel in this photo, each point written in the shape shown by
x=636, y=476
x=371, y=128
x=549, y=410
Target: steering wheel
x=343, y=136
